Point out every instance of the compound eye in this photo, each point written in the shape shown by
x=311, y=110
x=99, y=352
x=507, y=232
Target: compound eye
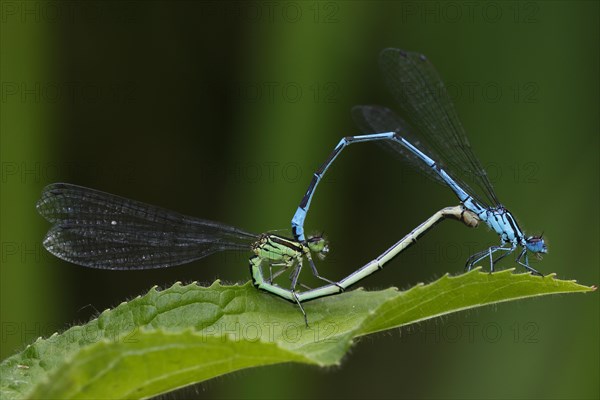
x=536, y=244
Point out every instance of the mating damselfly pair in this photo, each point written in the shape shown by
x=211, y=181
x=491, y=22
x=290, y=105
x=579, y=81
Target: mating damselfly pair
x=101, y=230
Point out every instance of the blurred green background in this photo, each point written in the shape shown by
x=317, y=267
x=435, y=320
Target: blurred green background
x=224, y=110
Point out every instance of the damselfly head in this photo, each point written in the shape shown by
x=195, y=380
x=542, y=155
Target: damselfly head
x=536, y=244
x=318, y=245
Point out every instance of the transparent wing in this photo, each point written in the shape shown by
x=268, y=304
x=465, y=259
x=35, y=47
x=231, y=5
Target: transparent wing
x=101, y=230
x=425, y=104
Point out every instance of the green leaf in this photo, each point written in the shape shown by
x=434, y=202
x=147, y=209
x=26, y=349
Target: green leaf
x=187, y=334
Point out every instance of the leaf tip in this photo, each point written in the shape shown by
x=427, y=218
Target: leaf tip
x=216, y=284
x=506, y=271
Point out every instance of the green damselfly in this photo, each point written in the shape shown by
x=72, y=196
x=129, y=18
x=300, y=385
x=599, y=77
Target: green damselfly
x=101, y=230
